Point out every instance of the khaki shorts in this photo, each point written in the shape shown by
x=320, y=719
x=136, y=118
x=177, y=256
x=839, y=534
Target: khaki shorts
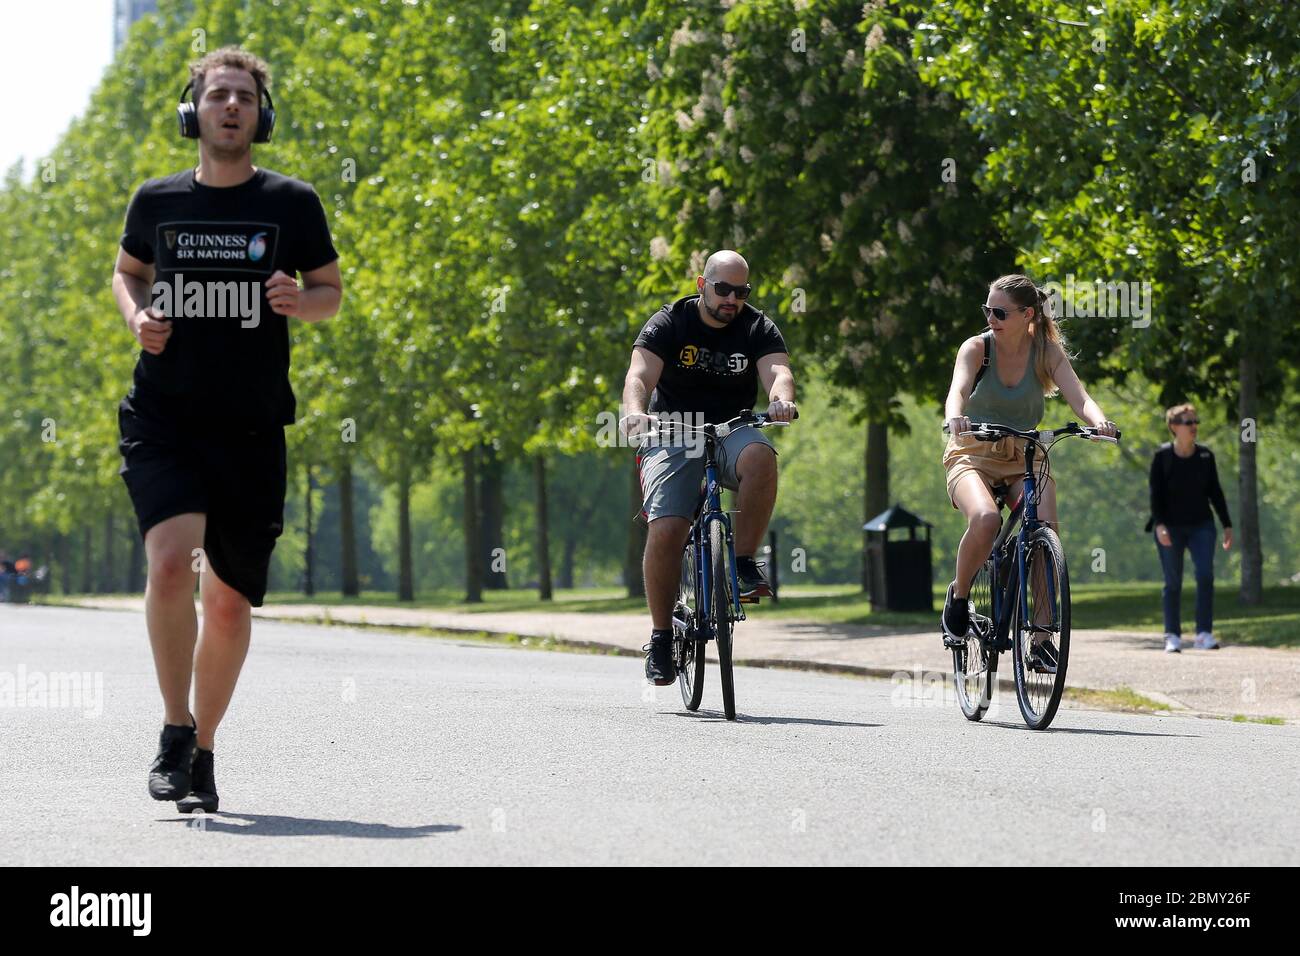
x=1000, y=462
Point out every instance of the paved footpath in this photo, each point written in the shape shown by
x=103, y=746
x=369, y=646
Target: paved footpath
x=1253, y=681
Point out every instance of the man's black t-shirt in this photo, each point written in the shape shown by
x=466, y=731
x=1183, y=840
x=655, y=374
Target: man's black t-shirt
x=226, y=362
x=709, y=371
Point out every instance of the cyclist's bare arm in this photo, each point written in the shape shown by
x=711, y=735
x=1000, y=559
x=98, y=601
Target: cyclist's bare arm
x=642, y=376
x=132, y=289
x=774, y=372
x=1072, y=390
x=963, y=381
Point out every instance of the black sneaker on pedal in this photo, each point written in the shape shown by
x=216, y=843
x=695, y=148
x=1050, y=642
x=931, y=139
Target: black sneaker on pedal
x=955, y=620
x=1043, y=657
x=659, y=667
x=203, y=785
x=750, y=577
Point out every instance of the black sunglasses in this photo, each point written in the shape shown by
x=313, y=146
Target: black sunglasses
x=1000, y=314
x=724, y=289
x=1186, y=421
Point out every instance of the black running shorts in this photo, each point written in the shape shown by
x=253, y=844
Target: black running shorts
x=235, y=478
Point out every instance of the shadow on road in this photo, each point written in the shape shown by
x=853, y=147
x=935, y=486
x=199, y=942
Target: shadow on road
x=1080, y=730
x=716, y=716
x=260, y=824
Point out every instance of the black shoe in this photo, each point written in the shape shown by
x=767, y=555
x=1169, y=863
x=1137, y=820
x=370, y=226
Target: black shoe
x=659, y=666
x=169, y=775
x=955, y=620
x=1043, y=657
x=203, y=788
x=751, y=579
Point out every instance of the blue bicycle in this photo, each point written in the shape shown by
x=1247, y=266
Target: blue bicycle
x=708, y=597
x=1021, y=594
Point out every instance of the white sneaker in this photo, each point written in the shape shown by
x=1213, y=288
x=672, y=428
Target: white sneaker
x=1205, y=642
x=1173, y=644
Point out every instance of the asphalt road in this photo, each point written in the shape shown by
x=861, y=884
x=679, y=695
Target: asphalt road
x=348, y=746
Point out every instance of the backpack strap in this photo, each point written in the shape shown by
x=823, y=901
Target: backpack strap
x=986, y=340
x=1167, y=462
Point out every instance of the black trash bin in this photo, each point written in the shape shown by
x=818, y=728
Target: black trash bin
x=899, y=568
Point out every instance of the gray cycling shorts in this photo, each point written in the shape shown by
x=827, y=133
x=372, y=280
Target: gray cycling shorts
x=671, y=475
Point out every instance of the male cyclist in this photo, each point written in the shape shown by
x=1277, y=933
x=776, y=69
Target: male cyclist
x=700, y=360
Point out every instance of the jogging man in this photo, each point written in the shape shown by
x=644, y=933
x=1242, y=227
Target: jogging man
x=701, y=360
x=205, y=279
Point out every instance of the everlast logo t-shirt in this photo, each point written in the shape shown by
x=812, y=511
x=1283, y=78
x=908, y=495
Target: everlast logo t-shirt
x=212, y=249
x=713, y=372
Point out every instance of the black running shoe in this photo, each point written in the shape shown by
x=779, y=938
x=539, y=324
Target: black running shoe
x=1043, y=657
x=955, y=620
x=659, y=666
x=169, y=775
x=752, y=581
x=203, y=788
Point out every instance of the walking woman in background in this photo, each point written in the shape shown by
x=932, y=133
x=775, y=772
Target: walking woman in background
x=1184, y=484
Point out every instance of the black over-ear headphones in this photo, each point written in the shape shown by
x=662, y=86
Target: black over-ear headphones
x=188, y=115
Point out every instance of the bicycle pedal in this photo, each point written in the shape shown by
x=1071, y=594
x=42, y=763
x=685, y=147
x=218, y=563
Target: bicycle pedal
x=749, y=599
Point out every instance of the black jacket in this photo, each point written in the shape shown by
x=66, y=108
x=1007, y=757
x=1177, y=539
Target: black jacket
x=1183, y=489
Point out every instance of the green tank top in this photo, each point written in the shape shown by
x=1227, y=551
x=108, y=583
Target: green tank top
x=1020, y=406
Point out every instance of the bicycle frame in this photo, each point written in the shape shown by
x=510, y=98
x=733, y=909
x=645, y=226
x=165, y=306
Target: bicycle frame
x=710, y=512
x=1002, y=594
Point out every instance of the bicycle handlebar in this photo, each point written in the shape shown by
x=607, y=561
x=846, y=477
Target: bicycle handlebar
x=992, y=431
x=720, y=430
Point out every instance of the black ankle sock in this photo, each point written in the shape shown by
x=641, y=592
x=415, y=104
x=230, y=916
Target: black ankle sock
x=661, y=632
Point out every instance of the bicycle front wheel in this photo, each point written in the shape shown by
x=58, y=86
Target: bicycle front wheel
x=1042, y=631
x=688, y=649
x=975, y=663
x=722, y=615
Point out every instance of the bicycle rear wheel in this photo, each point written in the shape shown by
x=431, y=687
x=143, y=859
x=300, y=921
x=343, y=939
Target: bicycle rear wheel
x=722, y=615
x=975, y=664
x=688, y=651
x=1045, y=623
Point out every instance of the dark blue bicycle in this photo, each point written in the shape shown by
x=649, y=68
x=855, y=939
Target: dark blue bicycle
x=708, y=601
x=1021, y=594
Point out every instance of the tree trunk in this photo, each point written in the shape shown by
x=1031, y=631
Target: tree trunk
x=347, y=533
x=544, y=590
x=567, y=555
x=1252, y=556
x=636, y=537
x=87, y=560
x=492, y=507
x=108, y=569
x=65, y=562
x=405, y=565
x=308, y=576
x=473, y=570
x=135, y=573
x=875, y=483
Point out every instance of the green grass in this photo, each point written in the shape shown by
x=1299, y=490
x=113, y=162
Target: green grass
x=1275, y=622
x=1243, y=719
x=1121, y=698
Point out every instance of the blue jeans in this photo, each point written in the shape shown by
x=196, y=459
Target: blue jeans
x=1199, y=539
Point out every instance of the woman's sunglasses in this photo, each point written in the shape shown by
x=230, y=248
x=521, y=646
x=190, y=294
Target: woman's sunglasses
x=1186, y=421
x=993, y=312
x=724, y=289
